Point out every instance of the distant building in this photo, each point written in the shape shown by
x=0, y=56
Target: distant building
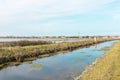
x=95, y=38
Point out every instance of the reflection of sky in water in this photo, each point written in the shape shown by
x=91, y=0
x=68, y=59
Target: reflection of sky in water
x=58, y=67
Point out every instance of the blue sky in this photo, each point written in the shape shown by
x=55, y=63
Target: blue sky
x=59, y=17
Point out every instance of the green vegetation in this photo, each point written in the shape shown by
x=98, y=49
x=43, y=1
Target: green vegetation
x=36, y=66
x=19, y=53
x=105, y=48
x=105, y=68
x=78, y=59
x=82, y=52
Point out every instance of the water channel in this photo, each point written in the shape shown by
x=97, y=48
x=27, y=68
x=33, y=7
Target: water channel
x=64, y=66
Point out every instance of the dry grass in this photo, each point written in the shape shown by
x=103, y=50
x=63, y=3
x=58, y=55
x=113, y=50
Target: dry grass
x=106, y=67
x=19, y=53
x=23, y=43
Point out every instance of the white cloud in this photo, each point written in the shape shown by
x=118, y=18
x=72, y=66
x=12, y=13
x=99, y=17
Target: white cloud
x=23, y=13
x=13, y=10
x=116, y=13
x=116, y=17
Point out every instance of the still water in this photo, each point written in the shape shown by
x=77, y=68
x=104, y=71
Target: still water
x=43, y=39
x=59, y=67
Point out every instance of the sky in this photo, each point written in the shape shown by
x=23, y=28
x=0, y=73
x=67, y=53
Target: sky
x=59, y=17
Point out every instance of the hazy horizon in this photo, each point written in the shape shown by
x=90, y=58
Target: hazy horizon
x=59, y=17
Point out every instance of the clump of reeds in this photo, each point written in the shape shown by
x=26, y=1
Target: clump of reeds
x=19, y=53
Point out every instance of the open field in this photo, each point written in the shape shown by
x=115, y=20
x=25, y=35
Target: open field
x=48, y=38
x=105, y=68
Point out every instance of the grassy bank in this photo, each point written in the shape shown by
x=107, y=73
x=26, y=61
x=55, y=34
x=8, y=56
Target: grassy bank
x=19, y=53
x=105, y=68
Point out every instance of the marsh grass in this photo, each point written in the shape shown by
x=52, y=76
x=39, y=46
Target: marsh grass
x=78, y=59
x=36, y=66
x=105, y=68
x=82, y=52
x=105, y=48
x=19, y=53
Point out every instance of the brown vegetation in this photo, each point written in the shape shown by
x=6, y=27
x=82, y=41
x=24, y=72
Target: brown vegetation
x=106, y=67
x=23, y=43
x=8, y=54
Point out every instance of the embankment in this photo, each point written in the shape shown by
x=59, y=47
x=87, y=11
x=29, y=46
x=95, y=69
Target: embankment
x=106, y=67
x=19, y=53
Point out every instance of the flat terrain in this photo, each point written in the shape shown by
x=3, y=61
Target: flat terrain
x=106, y=67
x=19, y=53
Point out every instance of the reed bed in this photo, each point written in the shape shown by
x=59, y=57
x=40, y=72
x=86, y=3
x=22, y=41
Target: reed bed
x=19, y=53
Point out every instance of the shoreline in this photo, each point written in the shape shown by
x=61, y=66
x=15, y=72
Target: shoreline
x=87, y=73
x=48, y=50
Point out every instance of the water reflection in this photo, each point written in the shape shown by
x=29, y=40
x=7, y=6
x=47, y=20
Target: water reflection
x=78, y=59
x=35, y=66
x=95, y=46
x=57, y=67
